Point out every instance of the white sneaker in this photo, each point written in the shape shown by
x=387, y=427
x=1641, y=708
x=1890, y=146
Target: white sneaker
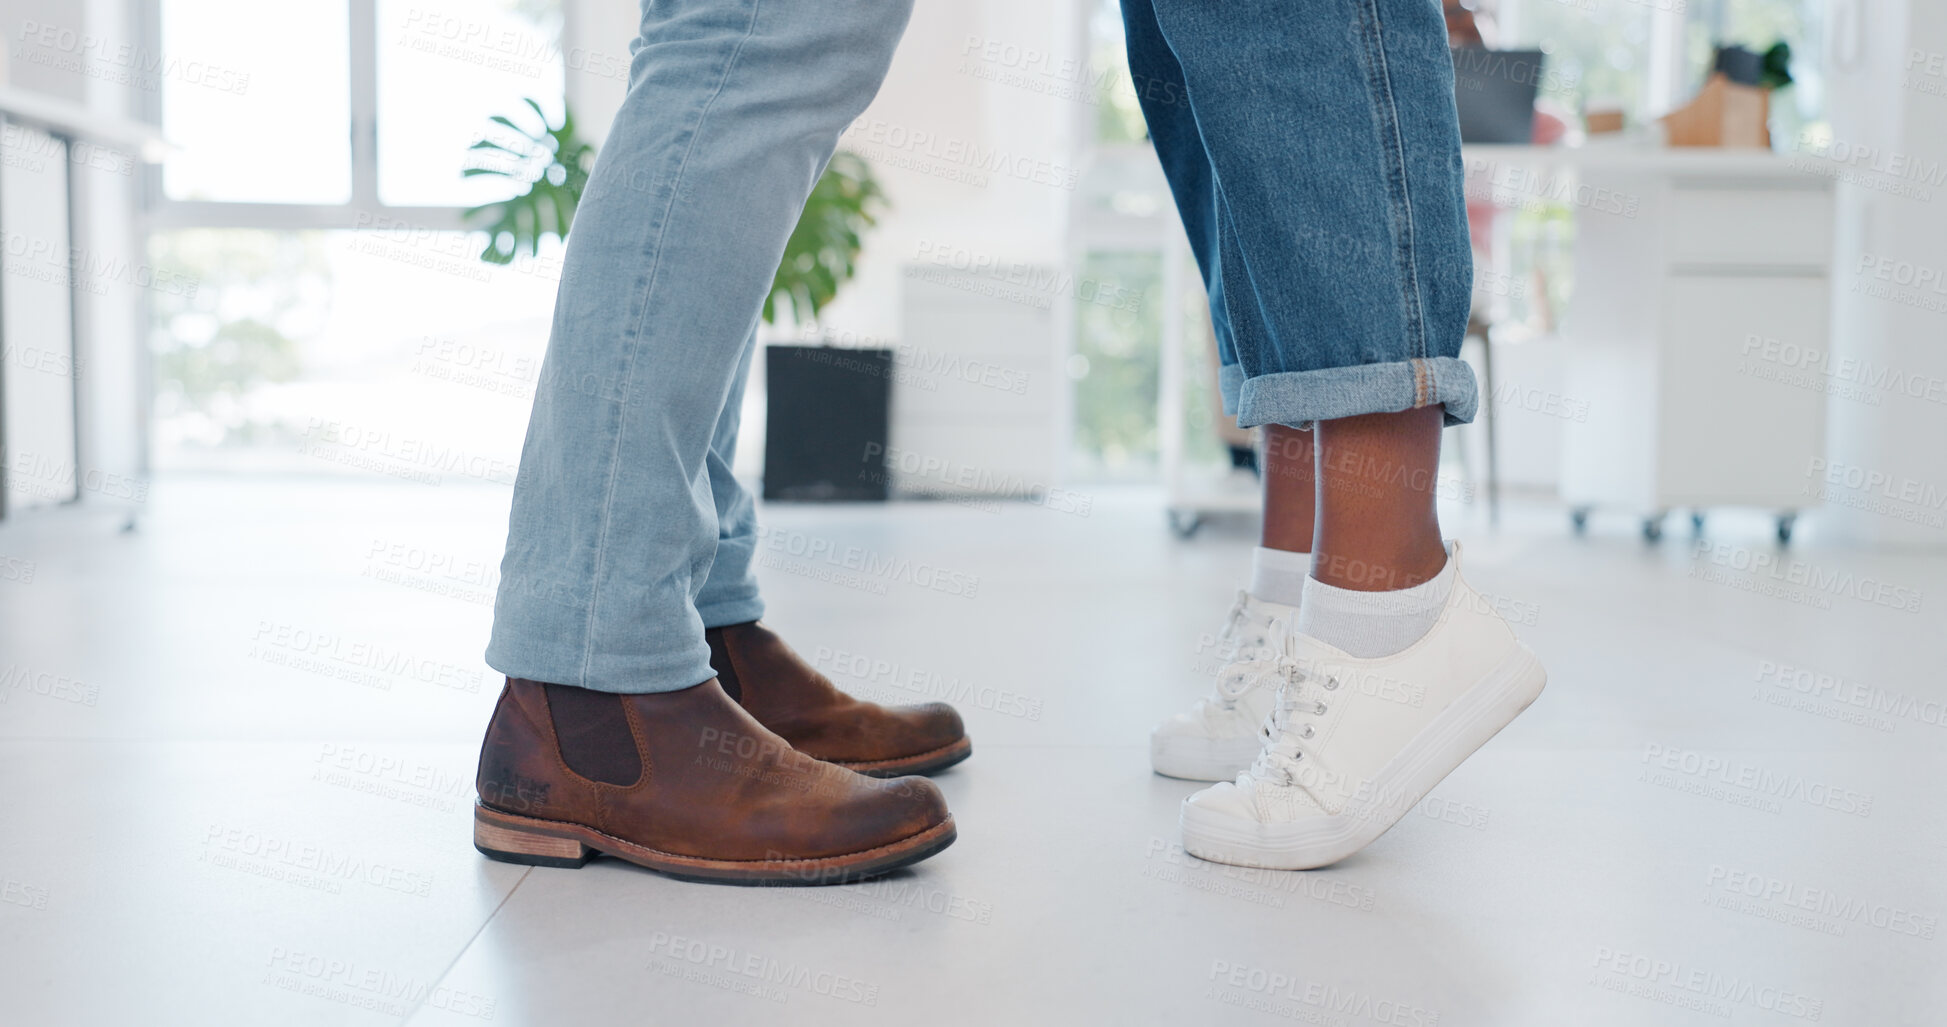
x=1218, y=737
x=1351, y=745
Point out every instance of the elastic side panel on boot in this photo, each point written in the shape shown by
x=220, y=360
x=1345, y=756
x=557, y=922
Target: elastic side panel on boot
x=720, y=662
x=593, y=733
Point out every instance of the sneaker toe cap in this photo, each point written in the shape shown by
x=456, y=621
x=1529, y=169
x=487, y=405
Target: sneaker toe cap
x=1209, y=720
x=1224, y=799
x=1180, y=724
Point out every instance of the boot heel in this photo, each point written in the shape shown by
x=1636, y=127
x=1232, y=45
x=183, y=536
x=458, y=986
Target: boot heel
x=504, y=838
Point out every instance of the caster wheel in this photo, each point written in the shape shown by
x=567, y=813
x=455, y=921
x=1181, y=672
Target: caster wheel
x=1652, y=529
x=1183, y=524
x=1579, y=520
x=1785, y=524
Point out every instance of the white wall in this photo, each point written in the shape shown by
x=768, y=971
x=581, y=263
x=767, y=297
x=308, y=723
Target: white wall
x=114, y=324
x=933, y=87
x=941, y=88
x=1890, y=92
x=950, y=275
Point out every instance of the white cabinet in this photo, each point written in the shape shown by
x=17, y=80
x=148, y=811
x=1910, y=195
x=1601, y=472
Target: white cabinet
x=1731, y=435
x=1677, y=337
x=975, y=391
x=41, y=282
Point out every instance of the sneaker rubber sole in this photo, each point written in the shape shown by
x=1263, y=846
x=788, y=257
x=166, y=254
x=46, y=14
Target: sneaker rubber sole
x=1201, y=759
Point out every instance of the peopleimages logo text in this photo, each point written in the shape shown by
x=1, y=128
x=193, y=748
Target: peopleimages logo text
x=1780, y=568
x=1756, y=780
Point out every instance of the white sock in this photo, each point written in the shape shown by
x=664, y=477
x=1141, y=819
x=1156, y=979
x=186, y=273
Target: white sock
x=1373, y=624
x=1279, y=575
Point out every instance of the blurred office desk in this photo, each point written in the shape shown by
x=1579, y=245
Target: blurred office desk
x=1697, y=323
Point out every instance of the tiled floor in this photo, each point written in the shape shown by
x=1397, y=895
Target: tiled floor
x=236, y=752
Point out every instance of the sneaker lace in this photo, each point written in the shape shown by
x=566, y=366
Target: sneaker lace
x=1239, y=677
x=1283, y=749
x=1236, y=618
x=1247, y=665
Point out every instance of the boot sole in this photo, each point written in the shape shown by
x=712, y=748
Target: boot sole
x=931, y=762
x=551, y=843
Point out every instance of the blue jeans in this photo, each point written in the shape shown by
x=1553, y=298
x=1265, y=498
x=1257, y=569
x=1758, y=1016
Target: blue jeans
x=1314, y=155
x=629, y=536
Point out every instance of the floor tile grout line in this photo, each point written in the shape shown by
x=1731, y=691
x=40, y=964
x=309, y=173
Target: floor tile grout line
x=475, y=936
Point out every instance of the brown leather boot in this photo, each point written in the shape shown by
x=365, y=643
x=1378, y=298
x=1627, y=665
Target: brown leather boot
x=790, y=697
x=689, y=784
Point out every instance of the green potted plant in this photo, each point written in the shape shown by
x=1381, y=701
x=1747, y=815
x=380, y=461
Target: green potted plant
x=1734, y=105
x=553, y=164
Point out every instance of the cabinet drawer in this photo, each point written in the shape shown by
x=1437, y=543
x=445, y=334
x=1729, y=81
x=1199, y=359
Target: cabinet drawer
x=1752, y=226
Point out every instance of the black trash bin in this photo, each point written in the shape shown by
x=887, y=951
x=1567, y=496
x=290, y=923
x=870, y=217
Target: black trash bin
x=829, y=410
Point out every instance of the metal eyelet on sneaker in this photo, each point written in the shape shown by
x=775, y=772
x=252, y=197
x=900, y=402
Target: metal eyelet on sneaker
x=1307, y=733
x=1320, y=710
x=1331, y=684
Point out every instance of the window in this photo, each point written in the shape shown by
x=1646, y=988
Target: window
x=441, y=75
x=1118, y=114
x=395, y=353
x=1596, y=50
x=1116, y=366
x=1650, y=55
x=341, y=319
x=226, y=109
x=1796, y=112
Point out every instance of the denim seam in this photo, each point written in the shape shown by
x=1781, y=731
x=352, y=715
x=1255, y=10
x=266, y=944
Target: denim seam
x=635, y=344
x=1387, y=108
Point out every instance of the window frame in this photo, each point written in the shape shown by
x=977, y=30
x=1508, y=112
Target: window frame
x=364, y=210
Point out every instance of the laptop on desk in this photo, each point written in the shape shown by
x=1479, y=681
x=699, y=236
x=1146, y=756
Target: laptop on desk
x=1495, y=92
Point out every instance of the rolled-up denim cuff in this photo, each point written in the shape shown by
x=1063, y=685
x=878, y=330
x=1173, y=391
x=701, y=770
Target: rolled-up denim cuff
x=1298, y=398
x=1230, y=381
